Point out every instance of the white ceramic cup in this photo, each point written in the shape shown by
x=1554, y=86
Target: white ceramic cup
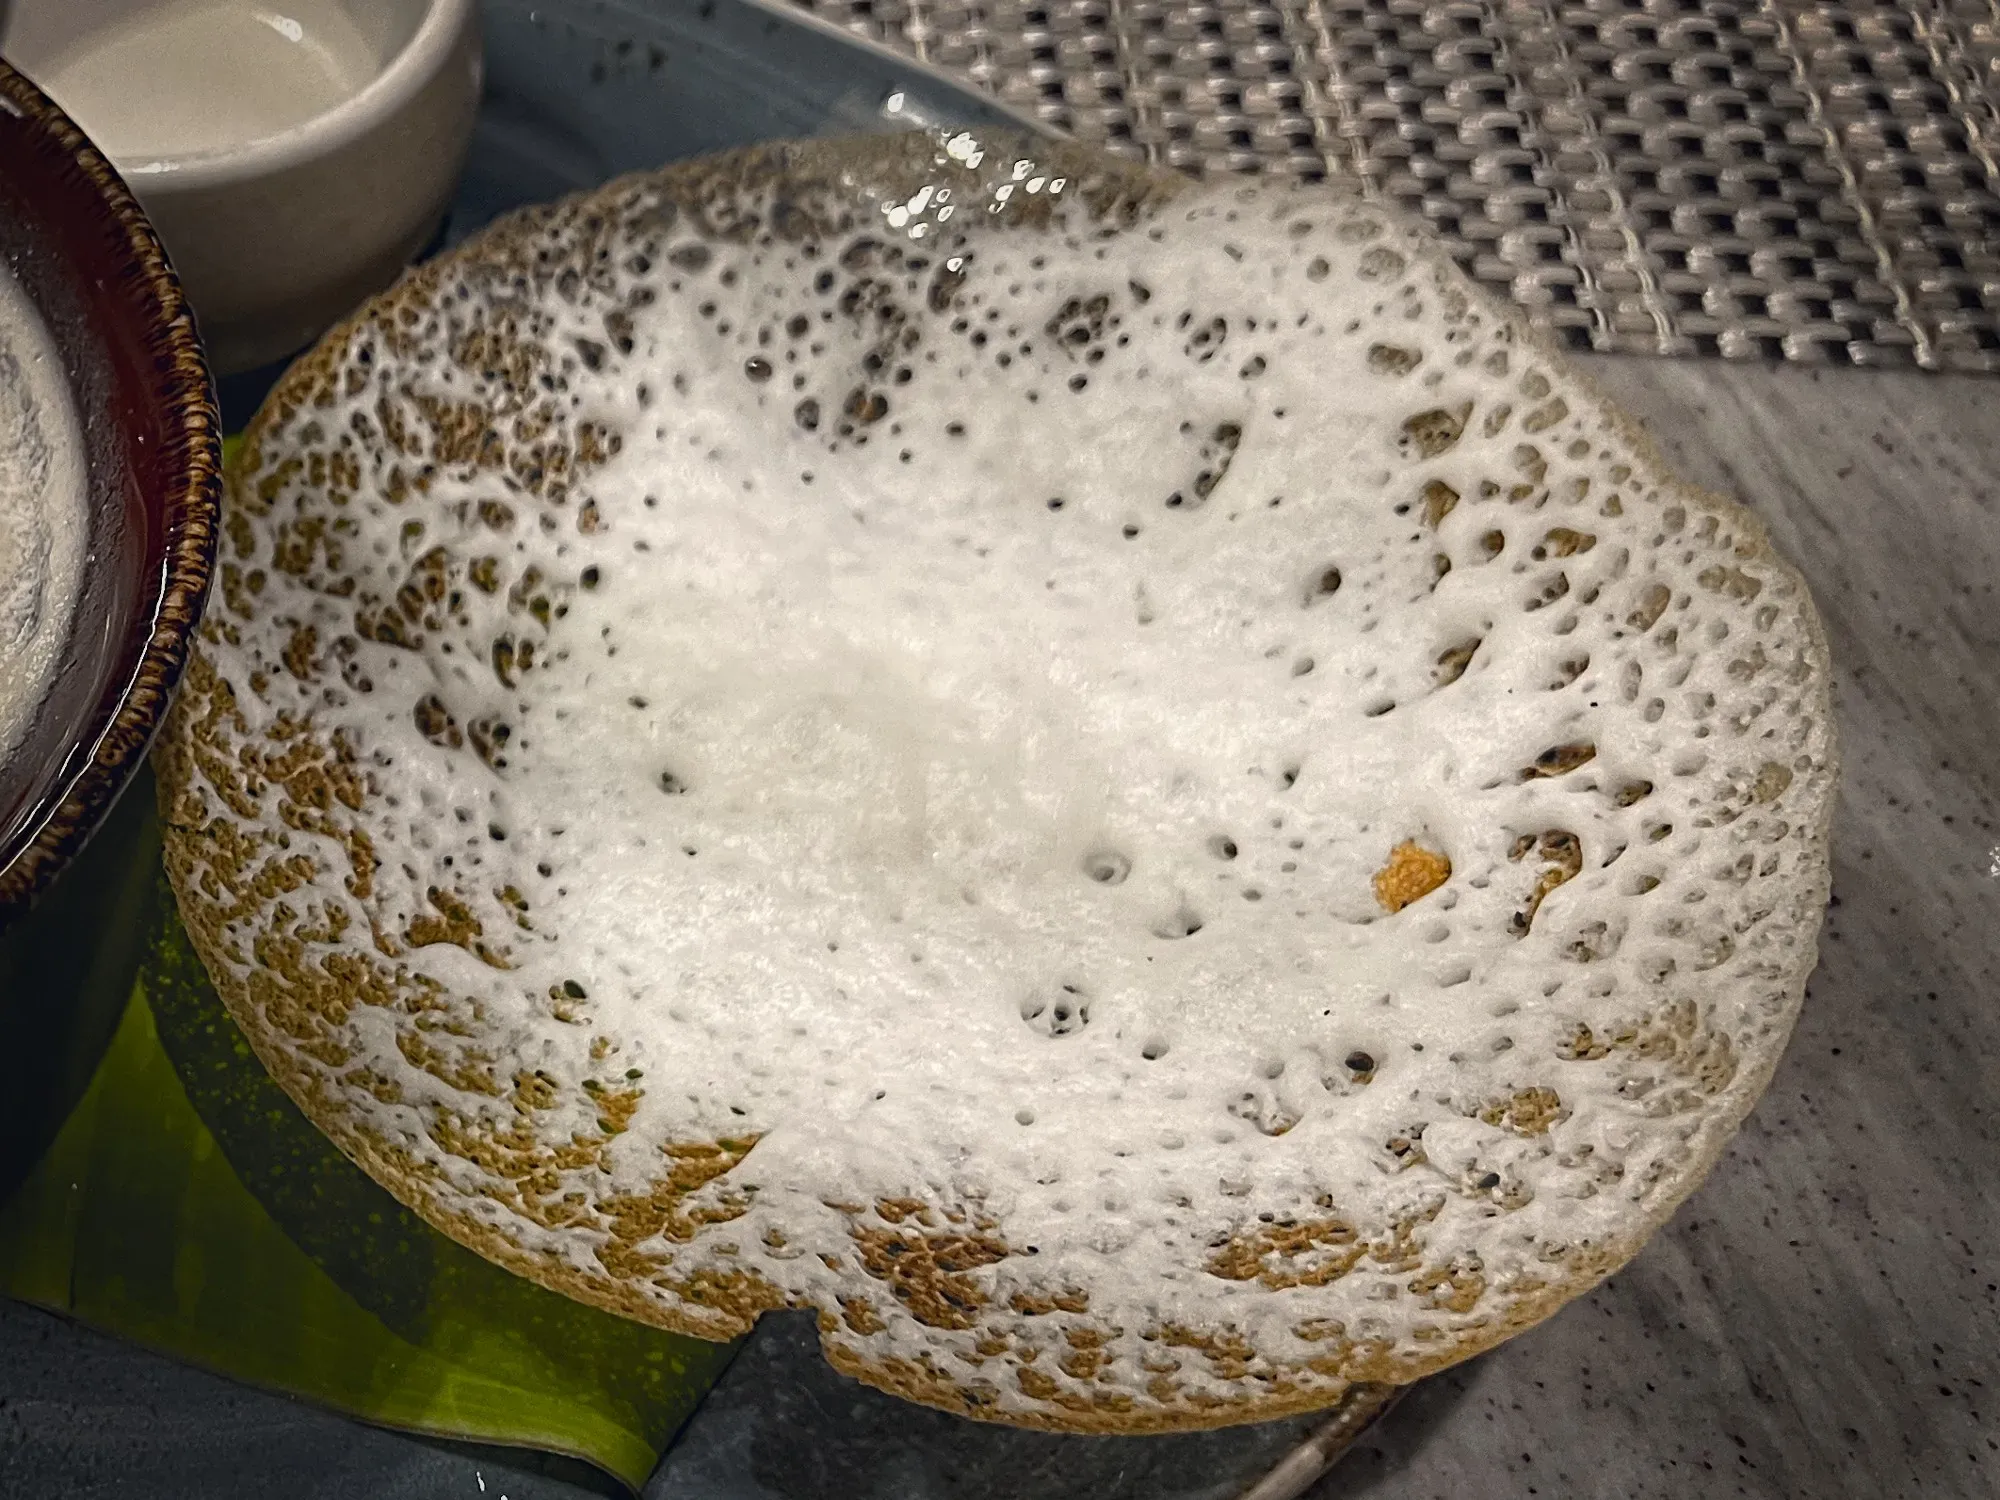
x=277, y=234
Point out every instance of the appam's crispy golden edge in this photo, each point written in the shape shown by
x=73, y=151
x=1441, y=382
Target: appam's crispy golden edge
x=738, y=1308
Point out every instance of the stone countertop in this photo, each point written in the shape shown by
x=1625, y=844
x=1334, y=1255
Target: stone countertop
x=1822, y=1319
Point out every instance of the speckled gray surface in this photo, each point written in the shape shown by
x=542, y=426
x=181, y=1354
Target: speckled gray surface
x=1820, y=1320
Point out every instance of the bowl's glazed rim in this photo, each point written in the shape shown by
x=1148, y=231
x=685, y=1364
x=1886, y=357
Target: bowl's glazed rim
x=189, y=506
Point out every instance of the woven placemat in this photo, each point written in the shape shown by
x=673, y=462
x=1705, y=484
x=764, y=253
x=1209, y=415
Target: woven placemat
x=1783, y=180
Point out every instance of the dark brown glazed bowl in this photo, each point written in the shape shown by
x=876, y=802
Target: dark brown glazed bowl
x=86, y=257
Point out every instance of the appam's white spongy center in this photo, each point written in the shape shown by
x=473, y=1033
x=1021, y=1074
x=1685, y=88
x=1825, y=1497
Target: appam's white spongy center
x=957, y=743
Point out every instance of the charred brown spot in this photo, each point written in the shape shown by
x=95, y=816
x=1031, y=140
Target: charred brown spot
x=859, y=1314
x=1311, y=1252
x=1406, y=1150
x=1393, y=359
x=1562, y=856
x=1561, y=541
x=435, y=723
x=449, y=921
x=1227, y=1351
x=1455, y=1288
x=1412, y=873
x=1653, y=602
x=1529, y=1112
x=1453, y=660
x=1438, y=499
x=1568, y=670
x=1085, y=1355
x=1554, y=589
x=926, y=1265
x=388, y=627
x=1560, y=760
x=504, y=656
x=1772, y=780
x=300, y=652
x=1546, y=416
x=677, y=1206
x=1264, y=1113
x=1430, y=433
x=1694, y=1059
x=865, y=407
x=1036, y=1384
x=489, y=738
x=1731, y=582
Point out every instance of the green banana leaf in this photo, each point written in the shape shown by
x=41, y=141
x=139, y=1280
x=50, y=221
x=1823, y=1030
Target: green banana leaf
x=185, y=1203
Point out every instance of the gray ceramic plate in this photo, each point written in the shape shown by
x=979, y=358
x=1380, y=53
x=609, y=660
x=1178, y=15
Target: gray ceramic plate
x=577, y=93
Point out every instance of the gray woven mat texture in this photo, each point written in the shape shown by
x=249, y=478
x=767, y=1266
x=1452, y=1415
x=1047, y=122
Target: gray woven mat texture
x=1808, y=181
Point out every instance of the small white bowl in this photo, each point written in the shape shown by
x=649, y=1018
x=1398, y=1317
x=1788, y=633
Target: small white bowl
x=292, y=154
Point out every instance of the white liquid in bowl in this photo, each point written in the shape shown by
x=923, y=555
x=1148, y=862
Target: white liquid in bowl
x=192, y=76
x=42, y=516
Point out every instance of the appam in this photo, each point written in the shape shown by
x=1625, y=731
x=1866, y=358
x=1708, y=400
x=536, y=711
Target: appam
x=1118, y=784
